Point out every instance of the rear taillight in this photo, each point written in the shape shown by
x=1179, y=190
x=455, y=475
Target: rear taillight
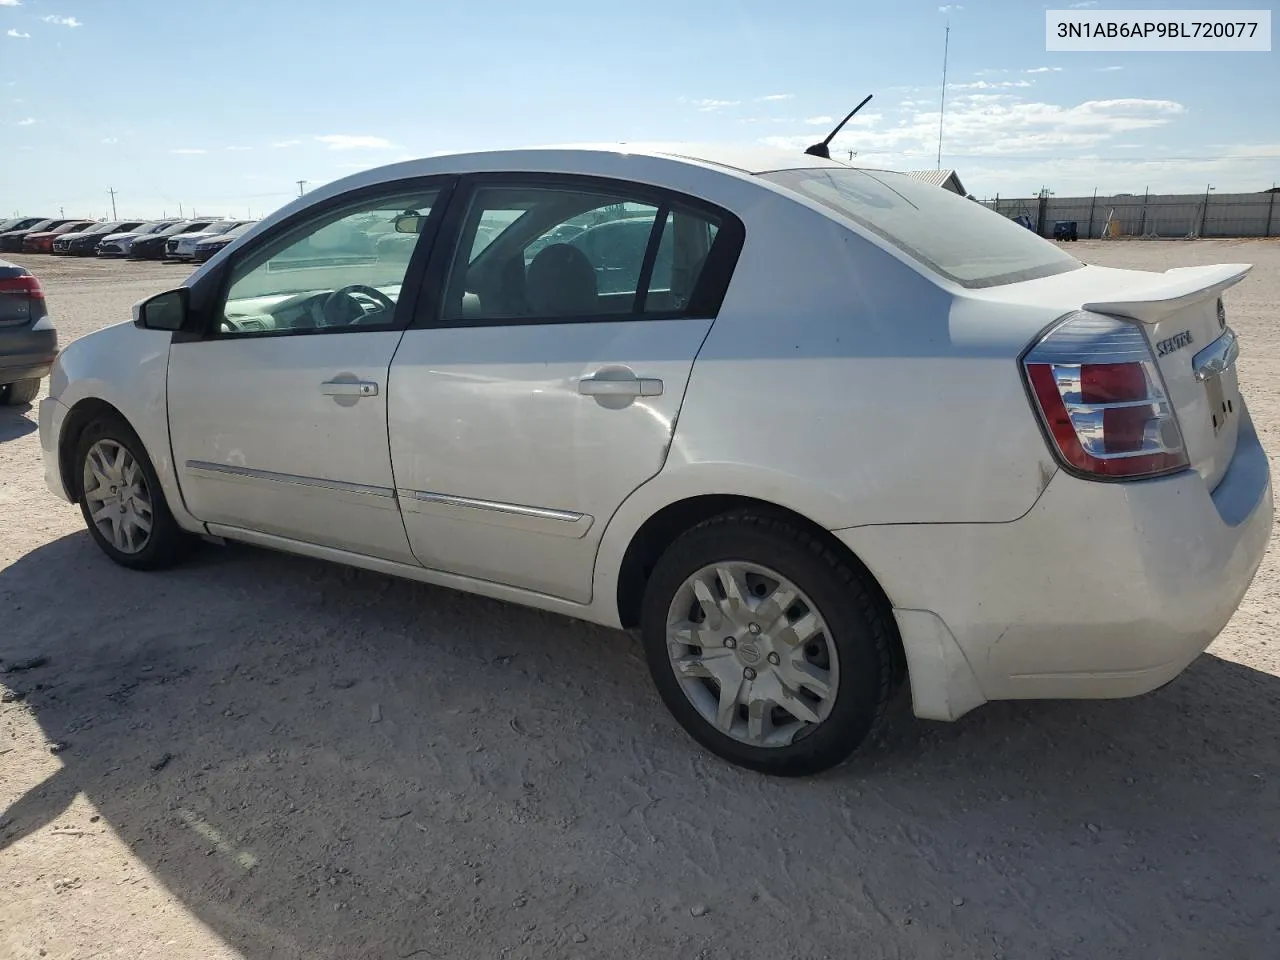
x=1102, y=400
x=23, y=287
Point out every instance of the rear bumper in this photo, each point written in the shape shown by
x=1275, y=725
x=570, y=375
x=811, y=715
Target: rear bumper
x=1100, y=590
x=26, y=353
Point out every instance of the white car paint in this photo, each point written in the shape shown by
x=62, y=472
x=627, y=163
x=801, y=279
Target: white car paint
x=842, y=379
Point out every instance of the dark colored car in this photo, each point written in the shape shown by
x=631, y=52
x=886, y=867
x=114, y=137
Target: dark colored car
x=84, y=243
x=28, y=341
x=42, y=241
x=151, y=246
x=19, y=223
x=11, y=241
x=205, y=249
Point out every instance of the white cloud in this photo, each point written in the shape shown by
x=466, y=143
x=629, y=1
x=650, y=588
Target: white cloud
x=774, y=97
x=709, y=104
x=239, y=149
x=1109, y=69
x=1043, y=70
x=989, y=85
x=1084, y=4
x=346, y=141
x=286, y=143
x=109, y=140
x=995, y=125
x=10, y=3
x=948, y=8
x=189, y=151
x=819, y=121
x=27, y=122
x=62, y=21
x=18, y=35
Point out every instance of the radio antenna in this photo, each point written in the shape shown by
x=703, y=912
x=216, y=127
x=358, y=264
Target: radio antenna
x=823, y=149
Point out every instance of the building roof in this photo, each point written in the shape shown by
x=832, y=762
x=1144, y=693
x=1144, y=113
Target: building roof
x=947, y=179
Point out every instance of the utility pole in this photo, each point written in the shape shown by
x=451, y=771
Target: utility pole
x=942, y=105
x=180, y=213
x=112, y=191
x=1204, y=213
x=301, y=184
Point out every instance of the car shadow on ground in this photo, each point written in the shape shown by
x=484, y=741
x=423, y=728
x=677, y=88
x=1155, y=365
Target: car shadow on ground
x=17, y=421
x=323, y=762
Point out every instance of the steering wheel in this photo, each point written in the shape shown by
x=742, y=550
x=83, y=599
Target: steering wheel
x=346, y=297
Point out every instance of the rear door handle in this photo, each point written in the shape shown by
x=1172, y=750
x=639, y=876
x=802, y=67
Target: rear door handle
x=630, y=387
x=349, y=388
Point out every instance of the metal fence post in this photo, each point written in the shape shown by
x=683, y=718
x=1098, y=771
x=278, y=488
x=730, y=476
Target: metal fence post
x=1089, y=233
x=1271, y=208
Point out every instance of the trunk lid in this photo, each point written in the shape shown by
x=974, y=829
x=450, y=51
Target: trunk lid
x=1178, y=312
x=1194, y=348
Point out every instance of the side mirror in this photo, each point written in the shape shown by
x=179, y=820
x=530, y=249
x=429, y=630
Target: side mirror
x=164, y=311
x=410, y=223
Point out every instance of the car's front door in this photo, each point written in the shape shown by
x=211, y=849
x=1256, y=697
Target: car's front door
x=543, y=386
x=278, y=411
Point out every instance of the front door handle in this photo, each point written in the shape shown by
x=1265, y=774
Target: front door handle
x=630, y=387
x=349, y=388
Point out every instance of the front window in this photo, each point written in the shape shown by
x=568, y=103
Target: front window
x=344, y=270
x=951, y=235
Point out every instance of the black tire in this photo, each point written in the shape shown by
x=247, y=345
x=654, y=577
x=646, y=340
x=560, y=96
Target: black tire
x=16, y=394
x=859, y=627
x=168, y=542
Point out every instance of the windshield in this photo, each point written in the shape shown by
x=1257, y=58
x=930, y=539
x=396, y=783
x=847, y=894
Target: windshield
x=951, y=235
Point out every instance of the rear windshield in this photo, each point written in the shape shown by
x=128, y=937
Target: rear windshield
x=951, y=235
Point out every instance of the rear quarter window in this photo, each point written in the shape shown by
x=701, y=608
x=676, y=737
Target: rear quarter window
x=951, y=235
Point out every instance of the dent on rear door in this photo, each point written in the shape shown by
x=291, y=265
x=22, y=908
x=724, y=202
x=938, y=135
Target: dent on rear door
x=505, y=470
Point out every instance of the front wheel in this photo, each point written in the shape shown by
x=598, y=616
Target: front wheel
x=768, y=648
x=121, y=499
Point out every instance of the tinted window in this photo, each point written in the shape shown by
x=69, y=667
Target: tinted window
x=957, y=238
x=543, y=252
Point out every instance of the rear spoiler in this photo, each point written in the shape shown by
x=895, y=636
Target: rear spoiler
x=1153, y=300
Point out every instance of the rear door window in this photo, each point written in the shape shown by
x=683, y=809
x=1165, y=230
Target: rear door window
x=542, y=252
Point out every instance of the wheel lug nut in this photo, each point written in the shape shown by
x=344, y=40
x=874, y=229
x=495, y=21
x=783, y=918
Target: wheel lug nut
x=754, y=628
x=749, y=673
x=730, y=642
x=774, y=659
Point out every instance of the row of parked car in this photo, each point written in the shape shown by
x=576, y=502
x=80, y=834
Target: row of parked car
x=189, y=240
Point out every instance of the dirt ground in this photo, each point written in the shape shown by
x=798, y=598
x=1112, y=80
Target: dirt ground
x=258, y=756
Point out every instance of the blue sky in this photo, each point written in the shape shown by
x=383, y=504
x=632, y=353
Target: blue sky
x=221, y=106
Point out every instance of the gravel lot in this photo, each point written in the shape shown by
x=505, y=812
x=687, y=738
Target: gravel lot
x=260, y=756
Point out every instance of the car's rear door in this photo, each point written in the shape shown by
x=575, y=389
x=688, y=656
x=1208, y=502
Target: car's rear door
x=542, y=386
x=278, y=411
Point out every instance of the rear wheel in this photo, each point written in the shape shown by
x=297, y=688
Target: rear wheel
x=24, y=391
x=768, y=648
x=121, y=499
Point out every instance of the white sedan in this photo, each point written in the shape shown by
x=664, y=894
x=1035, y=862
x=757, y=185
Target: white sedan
x=825, y=431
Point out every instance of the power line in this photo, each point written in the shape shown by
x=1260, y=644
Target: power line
x=112, y=191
